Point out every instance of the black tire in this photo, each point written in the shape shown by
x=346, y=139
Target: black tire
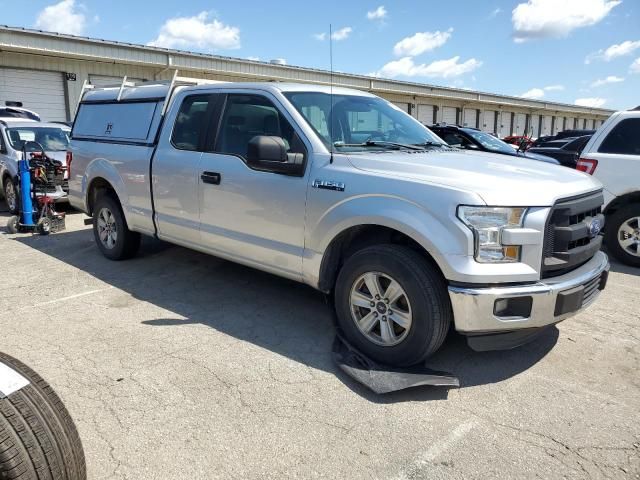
x=38, y=439
x=44, y=226
x=613, y=224
x=6, y=184
x=127, y=242
x=13, y=224
x=425, y=289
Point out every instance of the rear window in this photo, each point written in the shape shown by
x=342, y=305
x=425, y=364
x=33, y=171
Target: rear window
x=623, y=139
x=115, y=121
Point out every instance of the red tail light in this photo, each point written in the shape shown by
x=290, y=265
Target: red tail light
x=587, y=165
x=69, y=160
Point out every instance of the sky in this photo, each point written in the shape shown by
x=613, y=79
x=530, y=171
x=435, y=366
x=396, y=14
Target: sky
x=584, y=52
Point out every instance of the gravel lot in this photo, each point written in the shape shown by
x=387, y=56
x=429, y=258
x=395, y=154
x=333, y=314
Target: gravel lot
x=179, y=365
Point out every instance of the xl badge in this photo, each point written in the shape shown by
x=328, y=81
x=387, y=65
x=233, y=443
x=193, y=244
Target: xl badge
x=594, y=227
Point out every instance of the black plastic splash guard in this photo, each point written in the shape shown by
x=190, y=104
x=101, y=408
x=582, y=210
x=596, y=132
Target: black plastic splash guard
x=382, y=378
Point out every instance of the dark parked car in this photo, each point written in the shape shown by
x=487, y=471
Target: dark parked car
x=474, y=139
x=574, y=133
x=566, y=151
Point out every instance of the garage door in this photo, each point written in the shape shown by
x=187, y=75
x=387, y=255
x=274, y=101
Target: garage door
x=42, y=92
x=470, y=117
x=504, y=127
x=546, y=126
x=425, y=114
x=109, y=81
x=569, y=124
x=534, y=126
x=449, y=115
x=557, y=125
x=520, y=123
x=488, y=121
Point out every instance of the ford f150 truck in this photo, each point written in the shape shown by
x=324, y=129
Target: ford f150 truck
x=343, y=191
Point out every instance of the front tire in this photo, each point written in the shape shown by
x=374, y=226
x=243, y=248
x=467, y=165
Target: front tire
x=10, y=192
x=622, y=234
x=110, y=230
x=392, y=305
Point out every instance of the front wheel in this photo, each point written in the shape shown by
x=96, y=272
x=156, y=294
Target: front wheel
x=392, y=305
x=110, y=230
x=10, y=195
x=622, y=234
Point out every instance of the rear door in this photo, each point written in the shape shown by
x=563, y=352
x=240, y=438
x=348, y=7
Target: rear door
x=251, y=216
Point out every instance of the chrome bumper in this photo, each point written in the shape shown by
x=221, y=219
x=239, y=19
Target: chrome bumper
x=473, y=308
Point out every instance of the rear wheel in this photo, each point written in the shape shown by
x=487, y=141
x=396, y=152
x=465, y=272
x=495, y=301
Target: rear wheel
x=10, y=195
x=392, y=305
x=112, y=235
x=13, y=225
x=622, y=234
x=44, y=226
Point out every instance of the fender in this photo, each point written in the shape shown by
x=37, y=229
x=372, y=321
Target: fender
x=433, y=231
x=101, y=168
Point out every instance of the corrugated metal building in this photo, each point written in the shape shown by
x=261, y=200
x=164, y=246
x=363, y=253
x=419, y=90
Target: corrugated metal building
x=46, y=71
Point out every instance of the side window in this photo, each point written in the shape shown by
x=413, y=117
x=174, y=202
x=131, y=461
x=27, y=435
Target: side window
x=623, y=139
x=247, y=116
x=455, y=140
x=189, y=122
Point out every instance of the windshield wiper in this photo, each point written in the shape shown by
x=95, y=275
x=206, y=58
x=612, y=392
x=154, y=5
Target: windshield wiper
x=379, y=143
x=432, y=144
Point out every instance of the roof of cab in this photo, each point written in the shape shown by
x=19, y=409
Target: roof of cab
x=158, y=91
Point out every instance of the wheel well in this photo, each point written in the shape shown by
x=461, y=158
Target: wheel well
x=97, y=187
x=622, y=201
x=356, y=238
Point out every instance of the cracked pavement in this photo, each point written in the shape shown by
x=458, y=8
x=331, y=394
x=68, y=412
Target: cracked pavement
x=179, y=365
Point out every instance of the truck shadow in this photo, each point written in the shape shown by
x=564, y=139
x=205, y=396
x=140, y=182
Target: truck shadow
x=283, y=316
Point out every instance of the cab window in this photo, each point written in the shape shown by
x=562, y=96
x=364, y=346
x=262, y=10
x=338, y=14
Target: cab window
x=247, y=116
x=190, y=122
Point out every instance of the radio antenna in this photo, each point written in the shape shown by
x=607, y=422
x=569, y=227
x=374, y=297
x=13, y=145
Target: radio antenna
x=331, y=90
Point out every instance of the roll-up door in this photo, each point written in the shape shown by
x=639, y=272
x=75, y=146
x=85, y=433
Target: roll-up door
x=504, y=127
x=449, y=115
x=546, y=126
x=520, y=123
x=425, y=114
x=488, y=123
x=37, y=90
x=534, y=126
x=557, y=125
x=470, y=117
x=569, y=124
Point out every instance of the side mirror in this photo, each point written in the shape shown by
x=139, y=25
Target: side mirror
x=269, y=153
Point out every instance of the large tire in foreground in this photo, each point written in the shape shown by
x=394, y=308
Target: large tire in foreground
x=392, y=304
x=110, y=230
x=622, y=234
x=10, y=193
x=38, y=439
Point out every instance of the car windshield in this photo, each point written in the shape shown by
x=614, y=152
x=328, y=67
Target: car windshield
x=359, y=123
x=490, y=142
x=52, y=139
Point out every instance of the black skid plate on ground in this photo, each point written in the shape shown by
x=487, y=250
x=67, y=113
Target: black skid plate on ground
x=384, y=379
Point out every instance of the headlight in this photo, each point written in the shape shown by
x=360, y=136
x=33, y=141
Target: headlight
x=487, y=224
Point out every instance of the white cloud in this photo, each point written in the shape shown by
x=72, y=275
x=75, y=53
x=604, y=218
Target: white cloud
x=181, y=32
x=554, y=88
x=614, y=51
x=439, y=69
x=594, y=102
x=557, y=18
x=320, y=36
x=635, y=66
x=606, y=81
x=533, y=93
x=63, y=17
x=421, y=42
x=341, y=34
x=379, y=13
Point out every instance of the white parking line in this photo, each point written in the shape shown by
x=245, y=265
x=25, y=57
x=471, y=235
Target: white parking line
x=70, y=297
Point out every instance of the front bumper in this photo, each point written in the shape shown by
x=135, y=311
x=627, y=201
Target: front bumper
x=551, y=300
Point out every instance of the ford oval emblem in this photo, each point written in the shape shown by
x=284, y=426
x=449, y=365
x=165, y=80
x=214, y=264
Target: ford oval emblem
x=594, y=227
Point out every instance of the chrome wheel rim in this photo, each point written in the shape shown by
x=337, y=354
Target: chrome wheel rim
x=107, y=228
x=629, y=236
x=380, y=309
x=10, y=195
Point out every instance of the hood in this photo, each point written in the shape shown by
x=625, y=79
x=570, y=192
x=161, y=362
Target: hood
x=500, y=180
x=538, y=157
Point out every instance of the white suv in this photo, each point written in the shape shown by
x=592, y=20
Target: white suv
x=613, y=156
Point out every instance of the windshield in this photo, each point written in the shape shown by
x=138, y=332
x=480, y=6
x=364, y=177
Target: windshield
x=490, y=142
x=360, y=123
x=52, y=139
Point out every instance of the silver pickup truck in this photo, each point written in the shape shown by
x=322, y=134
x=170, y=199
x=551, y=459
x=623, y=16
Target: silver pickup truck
x=343, y=191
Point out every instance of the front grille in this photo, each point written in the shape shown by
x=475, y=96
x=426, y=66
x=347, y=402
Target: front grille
x=591, y=289
x=568, y=241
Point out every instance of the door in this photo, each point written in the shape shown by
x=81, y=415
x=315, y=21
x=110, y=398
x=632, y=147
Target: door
x=470, y=117
x=505, y=124
x=402, y=106
x=449, y=115
x=534, y=126
x=37, y=90
x=425, y=114
x=250, y=216
x=546, y=126
x=488, y=121
x=520, y=123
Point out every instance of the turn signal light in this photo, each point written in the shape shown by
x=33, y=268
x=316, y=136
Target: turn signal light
x=587, y=165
